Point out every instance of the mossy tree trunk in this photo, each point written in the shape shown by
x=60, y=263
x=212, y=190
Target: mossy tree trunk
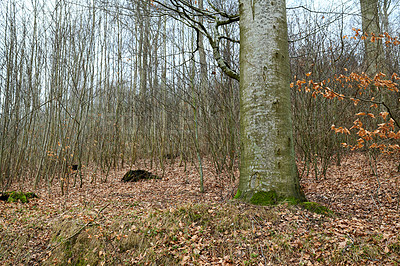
x=267, y=154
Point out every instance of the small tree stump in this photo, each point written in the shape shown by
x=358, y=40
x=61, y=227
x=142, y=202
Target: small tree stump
x=136, y=175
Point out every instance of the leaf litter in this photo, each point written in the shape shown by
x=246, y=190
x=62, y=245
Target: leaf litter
x=169, y=222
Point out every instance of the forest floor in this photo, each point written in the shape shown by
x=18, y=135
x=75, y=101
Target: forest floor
x=169, y=222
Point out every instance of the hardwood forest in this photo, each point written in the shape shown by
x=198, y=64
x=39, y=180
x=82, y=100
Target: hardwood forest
x=193, y=132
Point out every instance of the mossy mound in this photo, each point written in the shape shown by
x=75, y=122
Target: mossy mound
x=271, y=198
x=13, y=196
x=317, y=208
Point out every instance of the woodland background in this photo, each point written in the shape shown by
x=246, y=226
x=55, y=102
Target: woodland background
x=108, y=83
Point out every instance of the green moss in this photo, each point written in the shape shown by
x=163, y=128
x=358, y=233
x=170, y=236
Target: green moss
x=264, y=198
x=14, y=196
x=271, y=198
x=292, y=200
x=317, y=208
x=238, y=194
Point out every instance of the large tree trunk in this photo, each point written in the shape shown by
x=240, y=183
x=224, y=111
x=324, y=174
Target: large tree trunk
x=373, y=55
x=267, y=168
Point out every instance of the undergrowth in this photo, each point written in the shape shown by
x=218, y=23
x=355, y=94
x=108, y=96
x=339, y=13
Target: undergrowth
x=227, y=233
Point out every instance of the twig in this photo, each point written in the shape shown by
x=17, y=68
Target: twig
x=262, y=253
x=378, y=209
x=348, y=245
x=374, y=202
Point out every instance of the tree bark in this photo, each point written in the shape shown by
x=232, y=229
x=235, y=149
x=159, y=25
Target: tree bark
x=373, y=55
x=267, y=164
